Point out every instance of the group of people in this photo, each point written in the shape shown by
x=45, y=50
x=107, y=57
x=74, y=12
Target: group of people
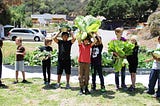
x=89, y=58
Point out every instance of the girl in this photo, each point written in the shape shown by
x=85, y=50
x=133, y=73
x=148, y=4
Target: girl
x=46, y=63
x=133, y=62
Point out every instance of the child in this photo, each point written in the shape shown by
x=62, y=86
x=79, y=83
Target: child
x=64, y=59
x=19, y=65
x=1, y=57
x=155, y=74
x=46, y=62
x=118, y=32
x=96, y=64
x=133, y=63
x=84, y=63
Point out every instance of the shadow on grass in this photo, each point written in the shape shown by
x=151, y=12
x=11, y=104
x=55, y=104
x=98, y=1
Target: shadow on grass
x=4, y=86
x=138, y=90
x=107, y=94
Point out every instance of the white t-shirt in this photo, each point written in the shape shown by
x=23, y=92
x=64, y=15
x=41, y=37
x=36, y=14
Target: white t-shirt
x=156, y=64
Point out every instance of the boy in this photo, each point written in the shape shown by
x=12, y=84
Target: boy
x=96, y=63
x=64, y=59
x=84, y=63
x=19, y=64
x=46, y=62
x=155, y=74
x=118, y=32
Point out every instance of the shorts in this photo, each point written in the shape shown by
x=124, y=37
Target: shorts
x=132, y=68
x=19, y=65
x=64, y=65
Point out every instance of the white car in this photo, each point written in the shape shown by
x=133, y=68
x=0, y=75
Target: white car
x=25, y=33
x=43, y=32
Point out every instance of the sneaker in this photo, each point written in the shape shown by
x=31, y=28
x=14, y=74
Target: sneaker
x=24, y=81
x=87, y=91
x=103, y=89
x=155, y=96
x=148, y=92
x=15, y=82
x=2, y=85
x=68, y=86
x=57, y=85
x=117, y=88
x=124, y=87
x=81, y=92
x=131, y=88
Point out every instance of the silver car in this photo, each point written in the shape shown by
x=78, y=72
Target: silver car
x=26, y=34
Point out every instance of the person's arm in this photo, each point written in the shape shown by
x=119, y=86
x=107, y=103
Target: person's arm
x=55, y=37
x=95, y=40
x=73, y=38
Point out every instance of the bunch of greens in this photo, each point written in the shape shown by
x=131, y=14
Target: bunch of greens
x=123, y=49
x=64, y=27
x=86, y=25
x=44, y=55
x=155, y=52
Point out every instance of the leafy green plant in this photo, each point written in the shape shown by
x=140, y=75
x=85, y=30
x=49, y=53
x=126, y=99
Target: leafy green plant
x=9, y=60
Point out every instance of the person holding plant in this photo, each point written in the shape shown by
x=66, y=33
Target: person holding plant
x=46, y=62
x=154, y=74
x=119, y=32
x=1, y=57
x=96, y=63
x=84, y=63
x=64, y=59
x=19, y=64
x=133, y=62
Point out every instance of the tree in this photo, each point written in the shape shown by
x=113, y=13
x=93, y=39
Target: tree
x=17, y=15
x=120, y=9
x=4, y=14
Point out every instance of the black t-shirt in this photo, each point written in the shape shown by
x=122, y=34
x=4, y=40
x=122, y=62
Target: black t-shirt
x=20, y=49
x=133, y=59
x=64, y=48
x=96, y=56
x=46, y=48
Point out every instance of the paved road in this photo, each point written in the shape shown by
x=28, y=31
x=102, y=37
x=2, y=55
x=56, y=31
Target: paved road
x=109, y=79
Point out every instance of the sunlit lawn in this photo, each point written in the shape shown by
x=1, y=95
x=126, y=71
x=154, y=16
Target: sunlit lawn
x=37, y=94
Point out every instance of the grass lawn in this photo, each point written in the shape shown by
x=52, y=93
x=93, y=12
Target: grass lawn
x=36, y=93
x=9, y=47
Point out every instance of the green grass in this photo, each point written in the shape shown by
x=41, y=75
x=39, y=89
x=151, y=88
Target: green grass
x=37, y=94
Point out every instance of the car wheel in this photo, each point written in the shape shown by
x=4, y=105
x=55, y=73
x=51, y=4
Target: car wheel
x=14, y=38
x=36, y=39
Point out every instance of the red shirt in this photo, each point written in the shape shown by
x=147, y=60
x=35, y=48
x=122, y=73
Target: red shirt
x=84, y=53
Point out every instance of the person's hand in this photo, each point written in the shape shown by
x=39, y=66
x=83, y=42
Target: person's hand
x=147, y=60
x=69, y=30
x=60, y=30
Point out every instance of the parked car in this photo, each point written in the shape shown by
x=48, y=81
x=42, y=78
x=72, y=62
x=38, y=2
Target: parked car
x=26, y=34
x=43, y=32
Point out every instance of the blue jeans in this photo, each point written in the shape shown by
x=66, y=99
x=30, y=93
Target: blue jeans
x=97, y=69
x=154, y=76
x=123, y=74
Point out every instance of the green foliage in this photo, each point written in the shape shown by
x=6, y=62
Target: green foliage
x=5, y=16
x=86, y=26
x=9, y=60
x=17, y=15
x=31, y=59
x=120, y=9
x=28, y=22
x=107, y=59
